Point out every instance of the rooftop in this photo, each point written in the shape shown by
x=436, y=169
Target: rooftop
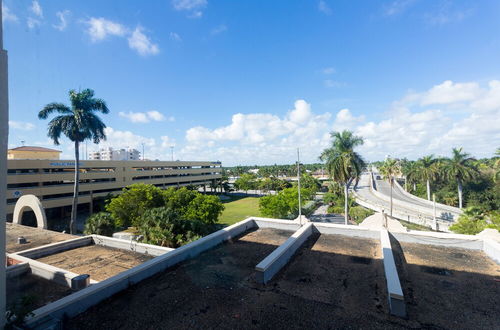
x=31, y=148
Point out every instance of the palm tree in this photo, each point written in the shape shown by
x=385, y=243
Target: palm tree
x=78, y=123
x=410, y=171
x=461, y=168
x=389, y=170
x=344, y=164
x=428, y=171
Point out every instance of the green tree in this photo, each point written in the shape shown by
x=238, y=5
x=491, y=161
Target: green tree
x=390, y=169
x=204, y=208
x=285, y=204
x=410, y=171
x=344, y=165
x=428, y=170
x=460, y=167
x=310, y=182
x=245, y=182
x=135, y=199
x=101, y=223
x=471, y=222
x=78, y=123
x=163, y=226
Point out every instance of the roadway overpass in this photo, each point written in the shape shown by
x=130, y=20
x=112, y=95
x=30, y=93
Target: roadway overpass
x=374, y=193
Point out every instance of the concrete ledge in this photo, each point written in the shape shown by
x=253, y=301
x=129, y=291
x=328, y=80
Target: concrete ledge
x=57, y=247
x=394, y=291
x=441, y=239
x=272, y=264
x=289, y=225
x=79, y=301
x=134, y=246
x=492, y=249
x=56, y=274
x=349, y=230
x=17, y=270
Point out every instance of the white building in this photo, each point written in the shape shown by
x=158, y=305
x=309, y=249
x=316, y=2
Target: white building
x=115, y=154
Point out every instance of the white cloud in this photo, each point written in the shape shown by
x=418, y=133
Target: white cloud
x=328, y=71
x=100, y=28
x=397, y=7
x=194, y=7
x=33, y=22
x=447, y=115
x=21, y=125
x=7, y=15
x=63, y=20
x=324, y=8
x=218, y=30
x=36, y=9
x=175, y=36
x=145, y=117
x=142, y=43
x=330, y=83
x=167, y=142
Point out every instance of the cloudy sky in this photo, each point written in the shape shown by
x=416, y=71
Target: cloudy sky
x=247, y=82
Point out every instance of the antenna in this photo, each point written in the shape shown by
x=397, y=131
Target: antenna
x=298, y=179
x=22, y=142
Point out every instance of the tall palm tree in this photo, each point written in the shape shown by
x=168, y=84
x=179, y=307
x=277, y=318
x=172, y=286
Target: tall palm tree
x=410, y=171
x=460, y=167
x=428, y=171
x=390, y=169
x=344, y=164
x=78, y=123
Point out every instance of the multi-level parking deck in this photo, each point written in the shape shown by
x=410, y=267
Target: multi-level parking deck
x=52, y=180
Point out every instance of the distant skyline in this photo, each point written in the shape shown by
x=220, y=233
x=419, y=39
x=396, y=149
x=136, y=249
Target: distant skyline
x=247, y=82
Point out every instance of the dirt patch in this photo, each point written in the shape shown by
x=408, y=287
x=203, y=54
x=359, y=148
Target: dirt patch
x=38, y=291
x=98, y=261
x=449, y=287
x=35, y=237
x=217, y=290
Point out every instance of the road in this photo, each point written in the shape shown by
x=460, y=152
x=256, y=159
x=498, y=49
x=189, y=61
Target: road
x=321, y=215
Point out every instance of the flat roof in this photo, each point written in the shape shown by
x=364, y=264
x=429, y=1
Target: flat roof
x=31, y=148
x=35, y=237
x=333, y=281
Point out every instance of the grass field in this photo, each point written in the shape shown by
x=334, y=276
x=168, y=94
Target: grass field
x=238, y=209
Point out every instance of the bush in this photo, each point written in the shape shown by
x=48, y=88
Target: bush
x=359, y=213
x=163, y=226
x=101, y=223
x=473, y=221
x=128, y=208
x=336, y=209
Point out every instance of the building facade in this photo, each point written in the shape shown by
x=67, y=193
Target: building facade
x=27, y=152
x=115, y=154
x=52, y=180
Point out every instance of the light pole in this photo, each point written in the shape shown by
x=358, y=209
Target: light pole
x=172, y=152
x=142, y=150
x=298, y=185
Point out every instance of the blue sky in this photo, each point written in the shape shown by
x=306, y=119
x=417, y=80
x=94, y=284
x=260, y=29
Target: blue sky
x=246, y=82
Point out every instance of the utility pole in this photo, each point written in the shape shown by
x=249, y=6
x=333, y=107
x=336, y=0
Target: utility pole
x=434, y=209
x=298, y=185
x=172, y=152
x=4, y=139
x=143, y=151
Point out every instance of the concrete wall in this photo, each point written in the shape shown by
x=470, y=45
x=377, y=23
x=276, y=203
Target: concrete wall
x=272, y=264
x=153, y=250
x=394, y=290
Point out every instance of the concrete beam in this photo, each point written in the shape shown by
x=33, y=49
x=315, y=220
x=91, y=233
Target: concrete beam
x=289, y=225
x=57, y=247
x=51, y=273
x=394, y=291
x=441, y=239
x=349, y=230
x=492, y=249
x=17, y=270
x=272, y=264
x=129, y=245
x=79, y=301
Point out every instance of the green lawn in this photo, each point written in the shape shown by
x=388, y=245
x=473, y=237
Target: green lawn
x=239, y=209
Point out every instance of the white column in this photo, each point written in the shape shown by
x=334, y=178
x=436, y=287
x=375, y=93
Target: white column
x=4, y=135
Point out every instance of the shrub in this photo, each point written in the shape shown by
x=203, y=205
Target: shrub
x=336, y=209
x=127, y=208
x=359, y=213
x=163, y=226
x=285, y=204
x=101, y=223
x=473, y=221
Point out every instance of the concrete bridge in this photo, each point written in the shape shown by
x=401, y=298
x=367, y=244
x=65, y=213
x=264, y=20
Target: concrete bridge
x=374, y=193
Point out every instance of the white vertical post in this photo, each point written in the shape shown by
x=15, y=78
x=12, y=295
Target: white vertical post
x=4, y=136
x=298, y=185
x=434, y=211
